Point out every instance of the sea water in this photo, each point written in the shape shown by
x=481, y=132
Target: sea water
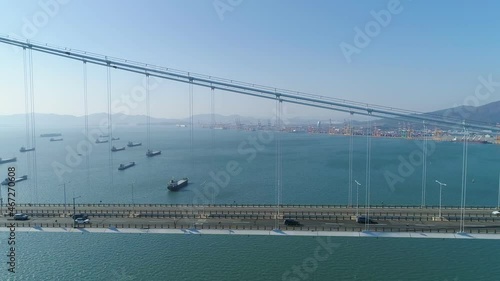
x=315, y=170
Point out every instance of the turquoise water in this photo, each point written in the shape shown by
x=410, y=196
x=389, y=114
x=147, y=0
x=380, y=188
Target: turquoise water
x=60, y=256
x=315, y=171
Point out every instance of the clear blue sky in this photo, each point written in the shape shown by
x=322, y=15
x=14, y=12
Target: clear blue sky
x=429, y=56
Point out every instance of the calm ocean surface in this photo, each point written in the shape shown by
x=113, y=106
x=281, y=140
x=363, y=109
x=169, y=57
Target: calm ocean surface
x=315, y=171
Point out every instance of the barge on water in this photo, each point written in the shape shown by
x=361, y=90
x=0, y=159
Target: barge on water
x=126, y=166
x=23, y=178
x=152, y=153
x=24, y=149
x=132, y=144
x=8, y=160
x=114, y=149
x=50, y=135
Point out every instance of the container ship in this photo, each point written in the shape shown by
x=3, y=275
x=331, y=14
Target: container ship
x=177, y=185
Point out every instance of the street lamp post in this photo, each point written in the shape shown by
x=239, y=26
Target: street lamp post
x=440, y=191
x=65, y=204
x=357, y=197
x=133, y=203
x=65, y=210
x=74, y=205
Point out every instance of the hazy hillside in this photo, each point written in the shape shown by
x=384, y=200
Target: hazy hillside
x=54, y=120
x=488, y=114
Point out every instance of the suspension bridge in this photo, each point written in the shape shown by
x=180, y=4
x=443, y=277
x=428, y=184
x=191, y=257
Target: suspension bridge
x=423, y=221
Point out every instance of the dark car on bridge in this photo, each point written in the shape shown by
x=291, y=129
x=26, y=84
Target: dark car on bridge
x=362, y=219
x=291, y=222
x=21, y=217
x=80, y=216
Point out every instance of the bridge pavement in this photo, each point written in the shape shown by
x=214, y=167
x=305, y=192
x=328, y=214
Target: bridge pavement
x=311, y=218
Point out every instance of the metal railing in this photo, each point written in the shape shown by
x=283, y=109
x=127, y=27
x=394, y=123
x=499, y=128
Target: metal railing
x=373, y=228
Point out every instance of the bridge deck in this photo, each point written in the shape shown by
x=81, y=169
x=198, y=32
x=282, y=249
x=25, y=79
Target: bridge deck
x=255, y=217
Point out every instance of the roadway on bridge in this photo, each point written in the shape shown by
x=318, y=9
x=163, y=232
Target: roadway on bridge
x=316, y=218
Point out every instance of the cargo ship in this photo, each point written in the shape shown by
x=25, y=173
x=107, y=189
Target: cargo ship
x=115, y=139
x=132, y=144
x=103, y=136
x=50, y=135
x=56, y=139
x=8, y=160
x=114, y=149
x=152, y=153
x=101, y=141
x=126, y=166
x=23, y=178
x=24, y=149
x=177, y=185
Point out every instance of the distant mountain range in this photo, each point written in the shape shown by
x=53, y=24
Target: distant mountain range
x=489, y=113
x=54, y=120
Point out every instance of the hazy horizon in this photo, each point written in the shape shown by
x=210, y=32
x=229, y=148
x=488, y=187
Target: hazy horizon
x=406, y=63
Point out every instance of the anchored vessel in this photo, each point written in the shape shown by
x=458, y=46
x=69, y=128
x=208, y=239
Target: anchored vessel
x=152, y=153
x=24, y=149
x=103, y=136
x=126, y=166
x=51, y=135
x=23, y=178
x=115, y=139
x=114, y=149
x=176, y=185
x=56, y=139
x=131, y=144
x=7, y=160
x=100, y=141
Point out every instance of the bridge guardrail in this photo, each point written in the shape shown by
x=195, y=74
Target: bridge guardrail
x=252, y=227
x=316, y=215
x=107, y=205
